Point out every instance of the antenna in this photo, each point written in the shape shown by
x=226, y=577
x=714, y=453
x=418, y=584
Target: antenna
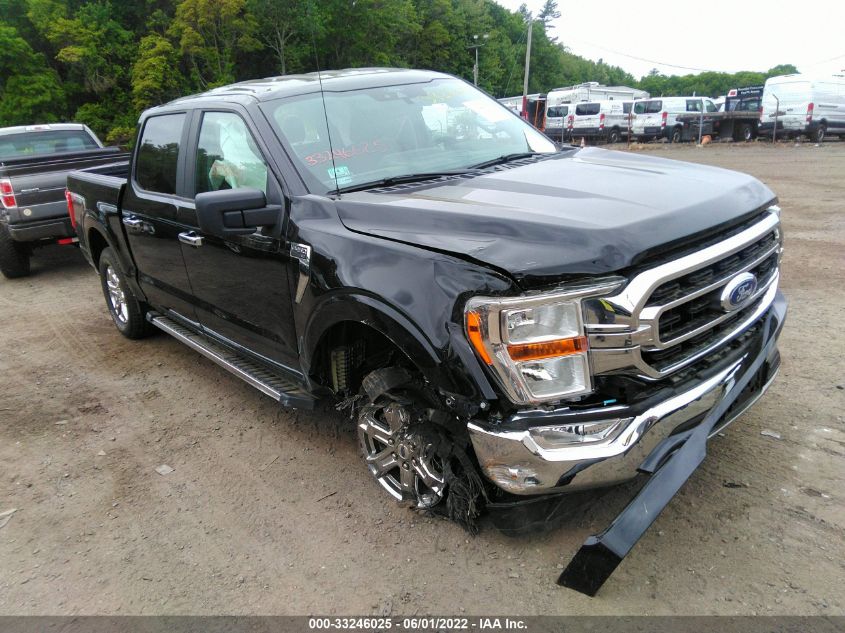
x=323, y=99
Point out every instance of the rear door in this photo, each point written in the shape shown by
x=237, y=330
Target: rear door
x=150, y=213
x=830, y=105
x=240, y=283
x=648, y=115
x=587, y=116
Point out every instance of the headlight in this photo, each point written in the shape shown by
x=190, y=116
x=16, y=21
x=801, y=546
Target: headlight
x=535, y=344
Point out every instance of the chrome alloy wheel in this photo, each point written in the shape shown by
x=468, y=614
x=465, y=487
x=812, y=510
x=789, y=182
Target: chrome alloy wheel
x=116, y=296
x=401, y=461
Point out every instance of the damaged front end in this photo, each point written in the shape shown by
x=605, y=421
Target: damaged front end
x=675, y=353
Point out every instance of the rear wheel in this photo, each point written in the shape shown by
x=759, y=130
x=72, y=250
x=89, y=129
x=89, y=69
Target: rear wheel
x=817, y=136
x=128, y=314
x=677, y=135
x=14, y=256
x=613, y=136
x=745, y=132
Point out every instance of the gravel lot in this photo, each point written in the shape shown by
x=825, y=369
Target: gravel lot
x=270, y=512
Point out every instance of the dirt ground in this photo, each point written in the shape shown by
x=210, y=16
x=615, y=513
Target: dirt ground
x=271, y=512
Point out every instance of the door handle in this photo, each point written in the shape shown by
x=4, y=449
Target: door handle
x=136, y=225
x=190, y=238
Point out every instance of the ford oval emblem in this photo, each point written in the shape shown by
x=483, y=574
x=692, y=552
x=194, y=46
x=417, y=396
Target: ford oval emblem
x=738, y=291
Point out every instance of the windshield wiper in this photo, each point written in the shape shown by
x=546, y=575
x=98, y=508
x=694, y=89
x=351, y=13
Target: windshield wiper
x=398, y=180
x=506, y=158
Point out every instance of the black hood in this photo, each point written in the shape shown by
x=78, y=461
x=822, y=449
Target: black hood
x=589, y=211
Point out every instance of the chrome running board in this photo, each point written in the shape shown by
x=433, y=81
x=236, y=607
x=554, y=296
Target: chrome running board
x=284, y=390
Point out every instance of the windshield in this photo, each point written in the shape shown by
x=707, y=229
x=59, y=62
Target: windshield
x=44, y=142
x=390, y=131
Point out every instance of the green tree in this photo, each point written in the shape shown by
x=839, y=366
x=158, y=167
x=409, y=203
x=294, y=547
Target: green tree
x=155, y=74
x=211, y=34
x=781, y=69
x=30, y=91
x=549, y=12
x=367, y=32
x=280, y=24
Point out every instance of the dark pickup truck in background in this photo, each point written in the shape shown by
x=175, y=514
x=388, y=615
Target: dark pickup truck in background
x=738, y=120
x=503, y=320
x=34, y=163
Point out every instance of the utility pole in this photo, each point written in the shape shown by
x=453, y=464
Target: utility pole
x=527, y=68
x=476, y=46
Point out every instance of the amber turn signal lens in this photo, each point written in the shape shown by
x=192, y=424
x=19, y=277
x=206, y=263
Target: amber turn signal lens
x=548, y=349
x=475, y=337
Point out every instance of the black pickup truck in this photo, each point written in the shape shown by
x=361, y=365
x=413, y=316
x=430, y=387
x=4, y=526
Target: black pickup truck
x=502, y=318
x=34, y=164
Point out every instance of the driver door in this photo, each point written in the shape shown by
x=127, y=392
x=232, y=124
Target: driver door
x=240, y=283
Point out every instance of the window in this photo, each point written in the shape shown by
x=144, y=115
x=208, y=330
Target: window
x=158, y=153
x=44, y=142
x=710, y=106
x=227, y=156
x=587, y=108
x=693, y=105
x=626, y=107
x=648, y=107
x=556, y=112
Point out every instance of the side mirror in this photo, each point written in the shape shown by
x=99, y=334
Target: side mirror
x=231, y=212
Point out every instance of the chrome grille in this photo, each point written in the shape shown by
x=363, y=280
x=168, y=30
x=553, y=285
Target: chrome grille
x=669, y=316
x=692, y=310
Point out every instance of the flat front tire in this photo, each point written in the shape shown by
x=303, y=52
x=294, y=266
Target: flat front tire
x=128, y=314
x=397, y=447
x=14, y=256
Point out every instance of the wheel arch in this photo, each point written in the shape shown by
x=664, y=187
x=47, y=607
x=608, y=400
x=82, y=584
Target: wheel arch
x=352, y=317
x=97, y=243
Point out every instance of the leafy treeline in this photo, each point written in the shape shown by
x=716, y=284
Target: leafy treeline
x=710, y=84
x=102, y=62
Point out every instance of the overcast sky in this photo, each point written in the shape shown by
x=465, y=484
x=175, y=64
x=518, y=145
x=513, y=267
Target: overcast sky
x=687, y=36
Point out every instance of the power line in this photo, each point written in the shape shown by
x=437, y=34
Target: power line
x=824, y=61
x=704, y=70
x=643, y=59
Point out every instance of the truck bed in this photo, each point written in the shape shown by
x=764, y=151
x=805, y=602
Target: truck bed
x=725, y=125
x=39, y=184
x=98, y=191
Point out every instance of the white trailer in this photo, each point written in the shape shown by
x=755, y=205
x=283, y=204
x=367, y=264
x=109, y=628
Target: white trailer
x=515, y=103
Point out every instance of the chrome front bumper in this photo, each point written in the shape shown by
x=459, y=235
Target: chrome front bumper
x=532, y=461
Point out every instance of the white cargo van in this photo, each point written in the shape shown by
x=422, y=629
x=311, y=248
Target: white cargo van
x=814, y=106
x=656, y=118
x=601, y=119
x=590, y=91
x=555, y=122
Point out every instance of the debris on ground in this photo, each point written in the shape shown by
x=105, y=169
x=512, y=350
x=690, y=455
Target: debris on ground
x=771, y=434
x=164, y=469
x=5, y=516
x=268, y=464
